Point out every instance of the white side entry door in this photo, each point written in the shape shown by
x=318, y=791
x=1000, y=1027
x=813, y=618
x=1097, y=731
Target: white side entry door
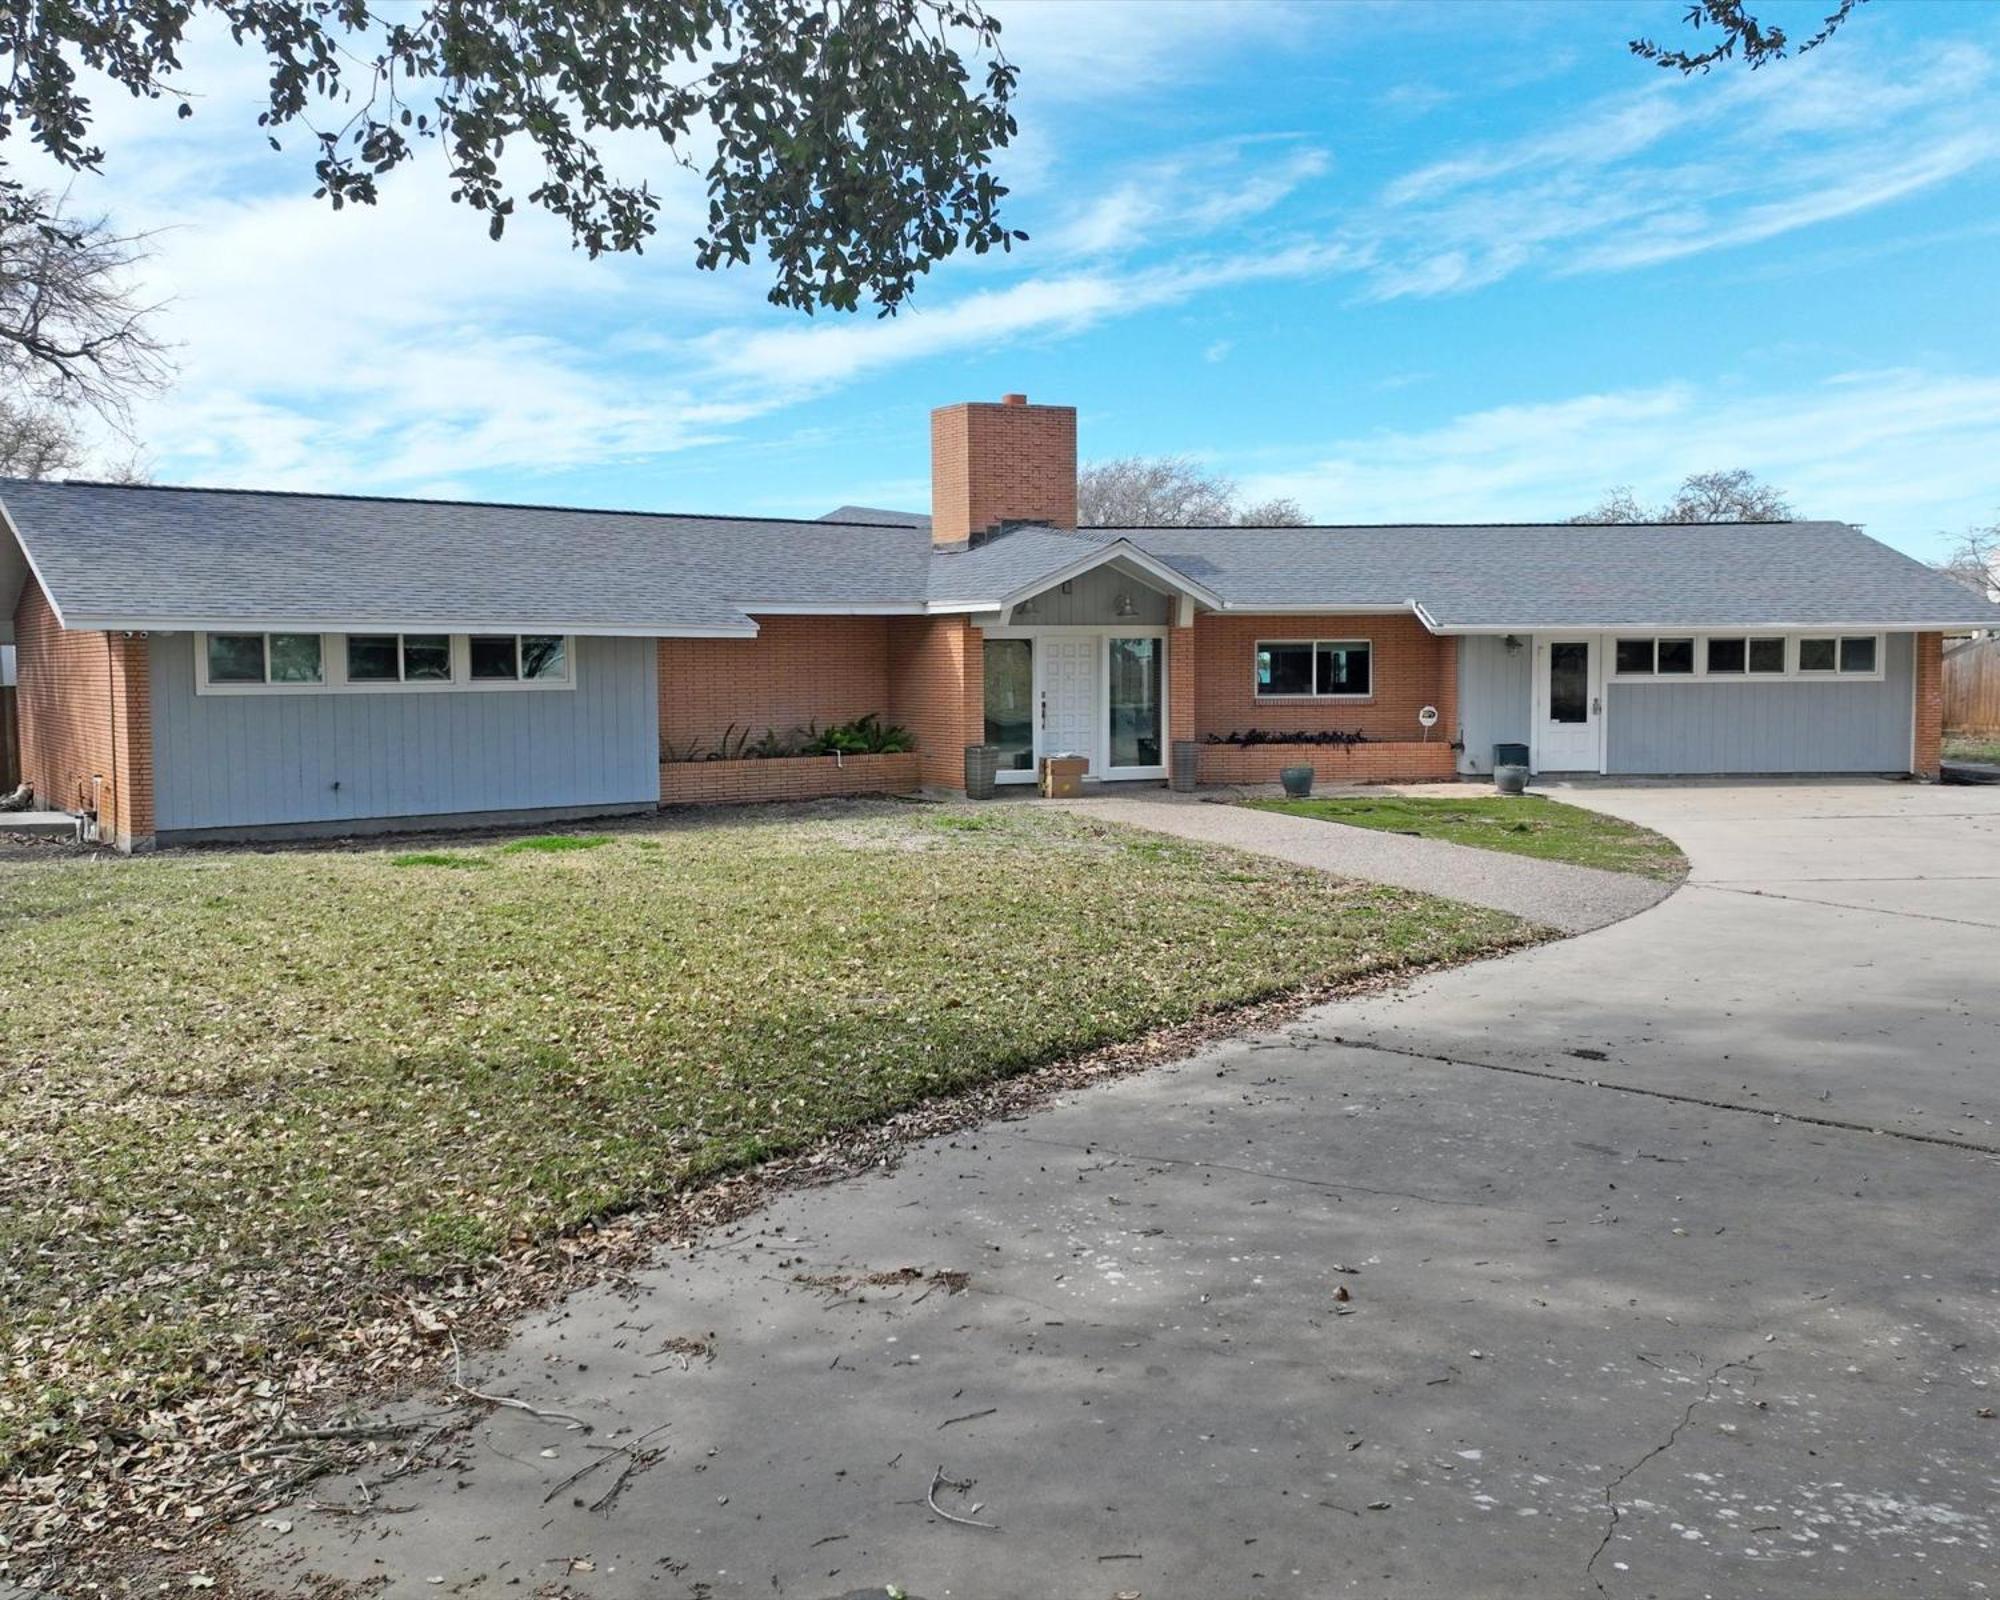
x=1569, y=704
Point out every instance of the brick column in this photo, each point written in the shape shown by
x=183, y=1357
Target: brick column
x=1181, y=720
x=1447, y=692
x=129, y=811
x=937, y=689
x=1927, y=755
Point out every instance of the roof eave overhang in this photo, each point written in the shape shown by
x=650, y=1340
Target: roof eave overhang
x=1174, y=582
x=1685, y=626
x=108, y=622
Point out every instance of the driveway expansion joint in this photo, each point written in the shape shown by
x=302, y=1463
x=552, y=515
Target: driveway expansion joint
x=1767, y=1113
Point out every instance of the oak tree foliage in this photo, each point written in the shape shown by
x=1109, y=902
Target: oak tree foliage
x=847, y=141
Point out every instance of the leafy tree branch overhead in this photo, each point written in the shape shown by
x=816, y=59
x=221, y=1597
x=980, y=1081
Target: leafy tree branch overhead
x=1738, y=31
x=848, y=141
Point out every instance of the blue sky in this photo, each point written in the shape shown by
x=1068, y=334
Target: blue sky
x=1400, y=262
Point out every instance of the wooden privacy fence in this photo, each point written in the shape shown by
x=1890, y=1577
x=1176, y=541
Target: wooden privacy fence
x=1972, y=686
x=10, y=740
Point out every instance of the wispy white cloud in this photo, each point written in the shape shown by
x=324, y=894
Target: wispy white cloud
x=1674, y=169
x=1908, y=453
x=1194, y=192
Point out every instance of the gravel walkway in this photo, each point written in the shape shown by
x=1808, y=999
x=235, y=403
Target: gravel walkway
x=1574, y=899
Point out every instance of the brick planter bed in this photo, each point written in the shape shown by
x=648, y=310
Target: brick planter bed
x=1375, y=761
x=684, y=783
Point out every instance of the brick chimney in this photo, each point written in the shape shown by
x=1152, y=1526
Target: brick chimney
x=1010, y=462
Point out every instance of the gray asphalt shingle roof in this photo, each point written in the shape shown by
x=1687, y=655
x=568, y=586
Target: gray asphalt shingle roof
x=115, y=555
x=125, y=556
x=1552, y=575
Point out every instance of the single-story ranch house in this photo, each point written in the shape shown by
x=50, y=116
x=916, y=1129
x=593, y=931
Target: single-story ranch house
x=202, y=663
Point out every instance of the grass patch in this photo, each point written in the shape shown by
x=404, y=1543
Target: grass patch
x=1973, y=747
x=439, y=858
x=248, y=1100
x=555, y=843
x=1522, y=825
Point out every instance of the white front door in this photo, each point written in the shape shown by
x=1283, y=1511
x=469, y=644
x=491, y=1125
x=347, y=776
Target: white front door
x=1569, y=704
x=1070, y=715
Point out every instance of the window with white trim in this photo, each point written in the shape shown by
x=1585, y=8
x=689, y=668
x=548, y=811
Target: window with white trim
x=1744, y=658
x=1843, y=655
x=363, y=663
x=1314, y=669
x=517, y=657
x=399, y=658
x=1756, y=655
x=261, y=659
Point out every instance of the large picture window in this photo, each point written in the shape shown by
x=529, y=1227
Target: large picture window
x=1314, y=669
x=361, y=663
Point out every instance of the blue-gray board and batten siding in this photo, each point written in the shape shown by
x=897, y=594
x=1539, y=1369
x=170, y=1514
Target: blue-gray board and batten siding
x=273, y=760
x=1495, y=697
x=1703, y=728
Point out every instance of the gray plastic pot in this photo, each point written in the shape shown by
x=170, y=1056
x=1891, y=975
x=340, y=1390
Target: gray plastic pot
x=1510, y=779
x=1298, y=781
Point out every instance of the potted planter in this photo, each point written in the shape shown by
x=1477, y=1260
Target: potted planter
x=981, y=762
x=1510, y=779
x=1298, y=780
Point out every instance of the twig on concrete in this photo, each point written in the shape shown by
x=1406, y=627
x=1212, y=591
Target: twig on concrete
x=962, y=1486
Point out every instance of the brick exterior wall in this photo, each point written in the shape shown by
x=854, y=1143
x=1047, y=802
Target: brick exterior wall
x=1928, y=755
x=1411, y=668
x=937, y=689
x=995, y=463
x=1400, y=761
x=798, y=670
x=86, y=711
x=787, y=778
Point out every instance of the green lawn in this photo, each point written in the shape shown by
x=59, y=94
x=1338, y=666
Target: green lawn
x=1972, y=747
x=246, y=1099
x=1522, y=825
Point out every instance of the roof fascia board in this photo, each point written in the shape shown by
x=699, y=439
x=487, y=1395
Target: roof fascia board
x=35, y=571
x=106, y=622
x=1115, y=550
x=883, y=608
x=1708, y=627
x=1249, y=607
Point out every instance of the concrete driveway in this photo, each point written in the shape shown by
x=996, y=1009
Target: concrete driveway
x=1573, y=1273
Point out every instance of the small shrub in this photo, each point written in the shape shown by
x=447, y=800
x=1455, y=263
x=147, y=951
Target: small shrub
x=866, y=735
x=1253, y=736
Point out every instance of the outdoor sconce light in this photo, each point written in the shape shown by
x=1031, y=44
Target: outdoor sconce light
x=1513, y=642
x=1025, y=608
x=1125, y=606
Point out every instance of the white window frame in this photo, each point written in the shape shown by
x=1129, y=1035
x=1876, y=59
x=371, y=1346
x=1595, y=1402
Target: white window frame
x=399, y=681
x=1793, y=673
x=1265, y=696
x=333, y=668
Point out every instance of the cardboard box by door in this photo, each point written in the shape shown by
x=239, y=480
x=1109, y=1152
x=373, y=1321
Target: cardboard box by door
x=1062, y=776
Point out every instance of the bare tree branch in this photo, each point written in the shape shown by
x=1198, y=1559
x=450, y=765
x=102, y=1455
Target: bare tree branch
x=1170, y=492
x=1734, y=495
x=72, y=333
x=36, y=442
